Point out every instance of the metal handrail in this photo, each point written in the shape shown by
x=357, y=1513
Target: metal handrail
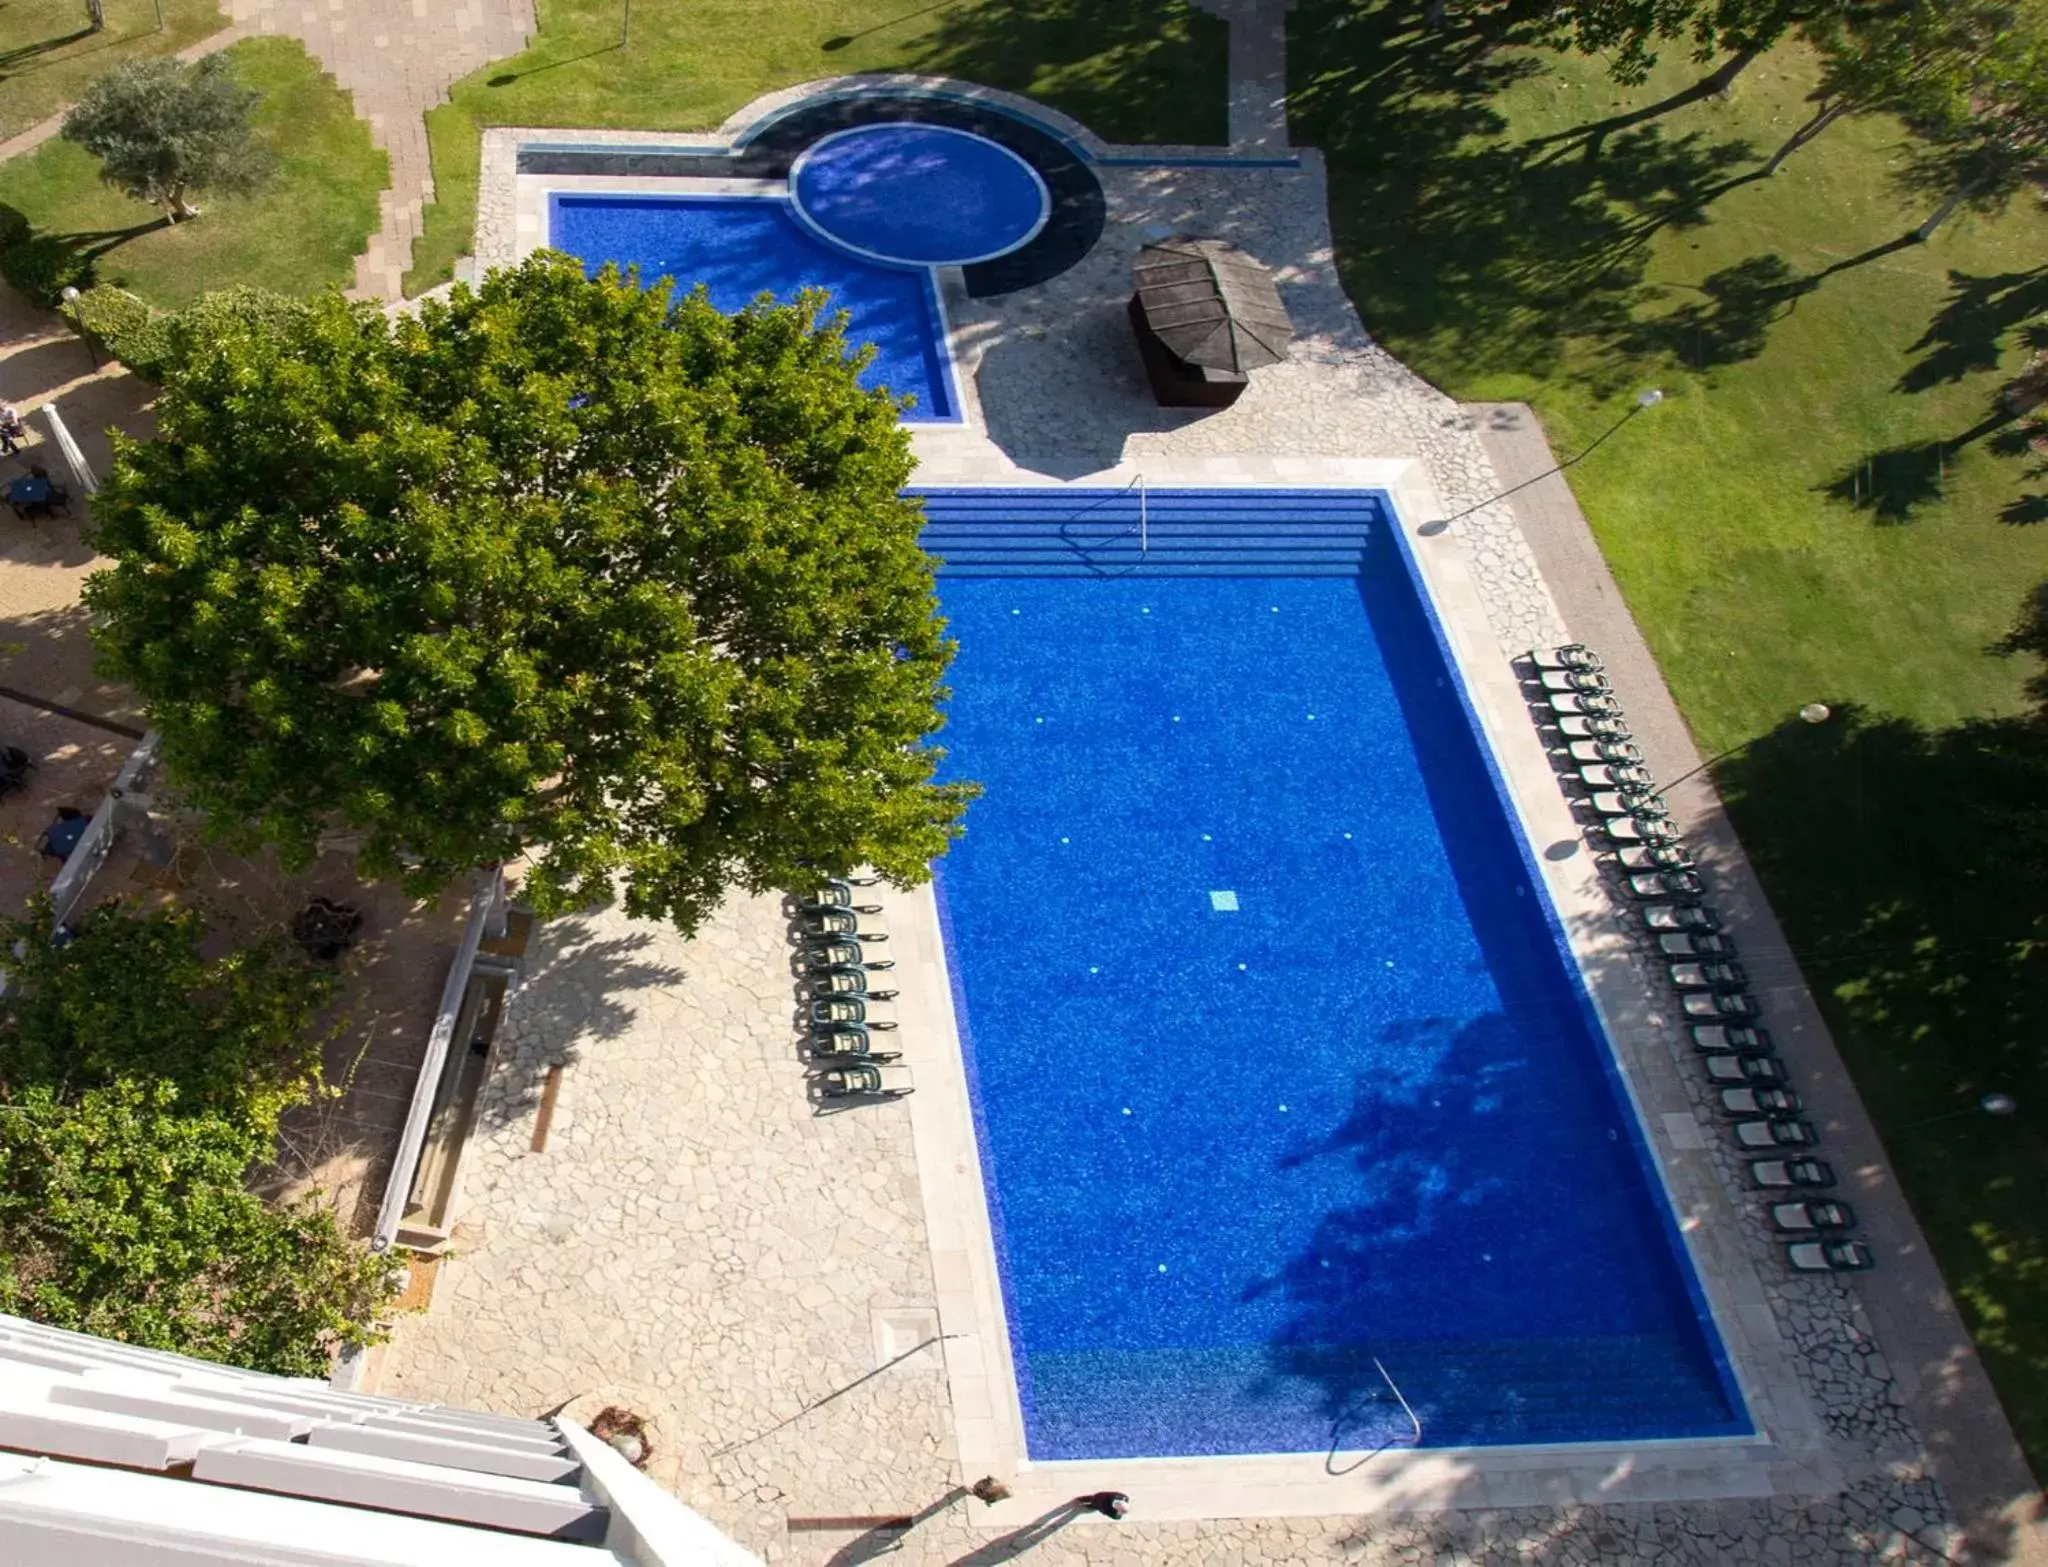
x=1406, y=1408
x=1144, y=528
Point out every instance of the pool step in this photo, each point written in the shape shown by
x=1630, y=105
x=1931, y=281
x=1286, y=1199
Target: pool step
x=1302, y=1397
x=1054, y=532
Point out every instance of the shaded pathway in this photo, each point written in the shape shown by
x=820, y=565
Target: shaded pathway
x=1258, y=71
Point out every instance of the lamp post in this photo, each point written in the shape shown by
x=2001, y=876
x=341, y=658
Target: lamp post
x=1815, y=713
x=1998, y=1104
x=1645, y=400
x=70, y=297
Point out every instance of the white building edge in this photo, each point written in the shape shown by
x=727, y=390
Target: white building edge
x=121, y=1457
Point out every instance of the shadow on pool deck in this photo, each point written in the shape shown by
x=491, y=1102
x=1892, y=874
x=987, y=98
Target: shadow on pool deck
x=589, y=1000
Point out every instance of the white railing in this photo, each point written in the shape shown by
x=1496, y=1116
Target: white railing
x=484, y=912
x=1144, y=525
x=126, y=804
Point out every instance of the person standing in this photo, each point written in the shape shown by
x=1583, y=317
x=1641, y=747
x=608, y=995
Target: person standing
x=13, y=429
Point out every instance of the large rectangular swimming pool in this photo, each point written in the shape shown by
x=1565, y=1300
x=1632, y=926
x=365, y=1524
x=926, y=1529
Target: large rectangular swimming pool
x=1281, y=1070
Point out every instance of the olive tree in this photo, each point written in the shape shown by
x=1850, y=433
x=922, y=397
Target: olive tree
x=164, y=131
x=562, y=567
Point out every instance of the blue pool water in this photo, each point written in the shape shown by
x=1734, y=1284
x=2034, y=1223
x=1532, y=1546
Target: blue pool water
x=927, y=194
x=742, y=247
x=1278, y=1066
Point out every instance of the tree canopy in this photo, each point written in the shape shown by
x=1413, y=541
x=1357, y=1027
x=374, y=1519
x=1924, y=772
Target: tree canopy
x=562, y=566
x=234, y=1032
x=1630, y=34
x=140, y=1086
x=163, y=131
x=1977, y=107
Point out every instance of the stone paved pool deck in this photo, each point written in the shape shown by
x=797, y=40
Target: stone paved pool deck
x=692, y=1228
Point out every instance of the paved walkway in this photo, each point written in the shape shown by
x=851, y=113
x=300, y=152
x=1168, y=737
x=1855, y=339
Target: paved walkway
x=1258, y=71
x=398, y=58
x=691, y=1228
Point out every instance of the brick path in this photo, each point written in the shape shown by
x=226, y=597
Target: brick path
x=398, y=58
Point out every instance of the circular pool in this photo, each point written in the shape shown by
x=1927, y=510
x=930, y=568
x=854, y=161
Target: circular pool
x=924, y=195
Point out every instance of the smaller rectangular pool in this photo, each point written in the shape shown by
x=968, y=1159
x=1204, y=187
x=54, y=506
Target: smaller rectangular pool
x=740, y=247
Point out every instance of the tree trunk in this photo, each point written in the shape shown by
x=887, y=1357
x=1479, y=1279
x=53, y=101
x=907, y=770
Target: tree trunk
x=1941, y=215
x=96, y=13
x=179, y=207
x=1822, y=119
x=1718, y=81
x=1433, y=15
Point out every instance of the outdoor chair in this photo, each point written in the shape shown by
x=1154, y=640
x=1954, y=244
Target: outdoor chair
x=866, y=1082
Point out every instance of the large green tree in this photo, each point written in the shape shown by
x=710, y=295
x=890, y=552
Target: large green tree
x=1968, y=80
x=141, y=1083
x=561, y=567
x=164, y=130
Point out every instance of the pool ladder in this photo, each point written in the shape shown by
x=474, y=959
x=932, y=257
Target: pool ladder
x=1364, y=1458
x=1143, y=529
x=1406, y=1408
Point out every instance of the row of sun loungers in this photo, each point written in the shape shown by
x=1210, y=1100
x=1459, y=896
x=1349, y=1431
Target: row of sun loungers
x=850, y=1006
x=1666, y=906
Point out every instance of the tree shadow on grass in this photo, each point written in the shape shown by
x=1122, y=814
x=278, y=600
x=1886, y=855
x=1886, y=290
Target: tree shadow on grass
x=2025, y=511
x=1730, y=322
x=1892, y=485
x=12, y=59
x=1968, y=334
x=1130, y=70
x=1909, y=867
x=75, y=255
x=1500, y=258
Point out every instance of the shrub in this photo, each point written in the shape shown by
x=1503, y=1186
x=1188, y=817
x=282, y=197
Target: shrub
x=141, y=1080
x=41, y=266
x=121, y=326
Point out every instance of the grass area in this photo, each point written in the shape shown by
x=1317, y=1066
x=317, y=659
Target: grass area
x=1818, y=512
x=1132, y=70
x=297, y=236
x=48, y=53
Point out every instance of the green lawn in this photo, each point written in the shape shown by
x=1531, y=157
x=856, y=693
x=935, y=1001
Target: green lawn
x=298, y=236
x=47, y=55
x=1814, y=514
x=1132, y=70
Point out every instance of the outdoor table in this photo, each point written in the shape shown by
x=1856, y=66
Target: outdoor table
x=27, y=490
